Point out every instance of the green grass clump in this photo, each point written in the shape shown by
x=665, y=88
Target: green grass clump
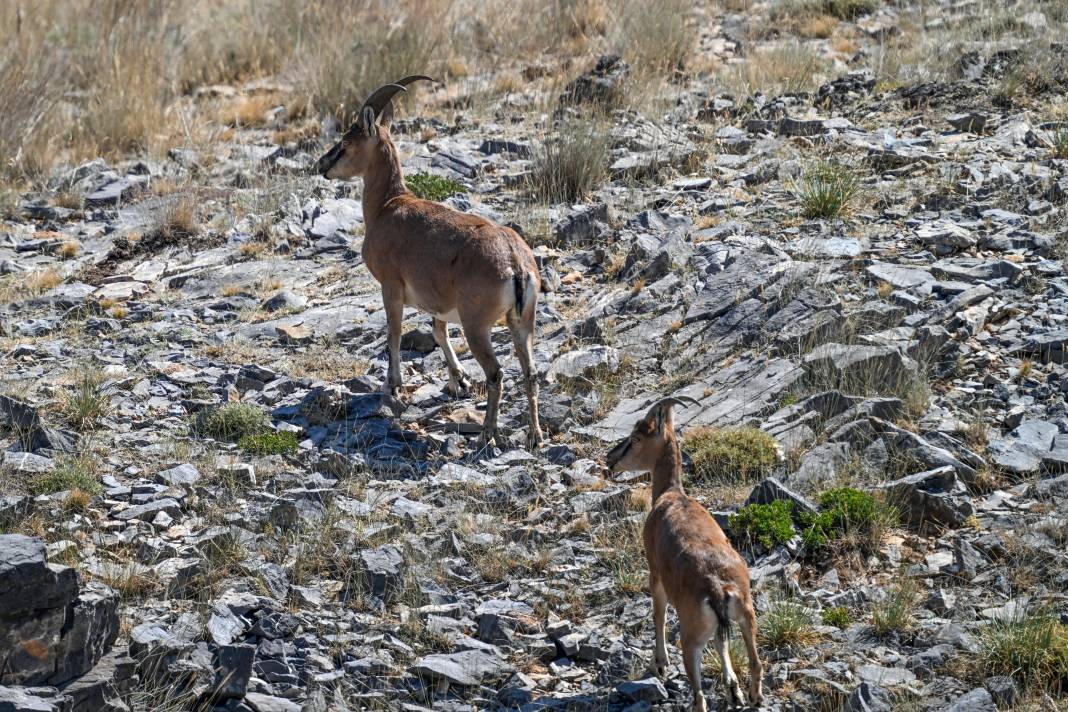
x=433, y=187
x=846, y=514
x=1031, y=647
x=88, y=402
x=1060, y=143
x=787, y=623
x=733, y=454
x=270, y=443
x=70, y=474
x=838, y=616
x=897, y=613
x=766, y=525
x=230, y=421
x=826, y=190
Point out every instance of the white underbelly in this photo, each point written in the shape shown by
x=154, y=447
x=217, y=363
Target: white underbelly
x=412, y=299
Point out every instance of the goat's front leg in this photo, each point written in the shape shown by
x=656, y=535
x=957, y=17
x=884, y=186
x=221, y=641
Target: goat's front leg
x=393, y=300
x=660, y=655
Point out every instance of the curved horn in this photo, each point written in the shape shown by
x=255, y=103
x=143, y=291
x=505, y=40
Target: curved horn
x=673, y=400
x=415, y=78
x=380, y=97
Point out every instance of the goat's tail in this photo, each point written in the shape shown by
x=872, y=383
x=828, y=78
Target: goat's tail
x=526, y=292
x=719, y=600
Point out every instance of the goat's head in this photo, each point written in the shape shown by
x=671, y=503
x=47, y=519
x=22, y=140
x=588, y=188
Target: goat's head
x=350, y=156
x=639, y=451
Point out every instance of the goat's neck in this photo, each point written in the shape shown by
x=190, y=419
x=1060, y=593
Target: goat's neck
x=667, y=474
x=383, y=180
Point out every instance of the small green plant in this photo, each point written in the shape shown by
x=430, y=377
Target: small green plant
x=230, y=421
x=897, y=612
x=1060, y=143
x=88, y=402
x=826, y=190
x=846, y=514
x=787, y=623
x=570, y=163
x=838, y=616
x=766, y=525
x=69, y=475
x=270, y=443
x=1031, y=647
x=732, y=454
x=433, y=187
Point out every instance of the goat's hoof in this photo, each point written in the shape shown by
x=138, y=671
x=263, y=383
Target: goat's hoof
x=659, y=669
x=535, y=440
x=458, y=388
x=735, y=698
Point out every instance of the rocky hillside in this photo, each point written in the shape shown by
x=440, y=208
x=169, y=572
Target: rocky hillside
x=855, y=266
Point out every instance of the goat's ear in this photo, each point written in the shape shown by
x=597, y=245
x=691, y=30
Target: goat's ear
x=662, y=418
x=368, y=121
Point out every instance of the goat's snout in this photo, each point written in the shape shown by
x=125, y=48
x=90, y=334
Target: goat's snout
x=616, y=454
x=328, y=159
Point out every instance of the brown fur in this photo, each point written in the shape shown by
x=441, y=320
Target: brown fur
x=692, y=565
x=456, y=266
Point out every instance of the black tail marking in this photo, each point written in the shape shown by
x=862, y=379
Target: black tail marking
x=718, y=603
x=518, y=282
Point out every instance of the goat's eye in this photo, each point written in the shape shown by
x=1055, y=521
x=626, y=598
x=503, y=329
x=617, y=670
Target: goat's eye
x=344, y=144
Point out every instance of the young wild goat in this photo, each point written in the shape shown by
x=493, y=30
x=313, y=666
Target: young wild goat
x=456, y=266
x=691, y=563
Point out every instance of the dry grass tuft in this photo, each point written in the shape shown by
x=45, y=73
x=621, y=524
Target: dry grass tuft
x=247, y=111
x=654, y=36
x=571, y=162
x=88, y=402
x=787, y=68
x=897, y=614
x=324, y=360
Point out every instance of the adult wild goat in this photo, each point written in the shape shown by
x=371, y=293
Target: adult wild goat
x=691, y=563
x=455, y=266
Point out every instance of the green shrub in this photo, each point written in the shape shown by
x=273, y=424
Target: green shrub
x=270, y=443
x=433, y=187
x=766, y=525
x=826, y=190
x=787, y=623
x=1031, y=647
x=230, y=421
x=846, y=513
x=70, y=474
x=731, y=454
x=897, y=612
x=838, y=616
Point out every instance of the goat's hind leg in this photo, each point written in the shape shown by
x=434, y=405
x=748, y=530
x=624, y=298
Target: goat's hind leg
x=746, y=619
x=730, y=679
x=478, y=339
x=696, y=625
x=523, y=339
x=458, y=382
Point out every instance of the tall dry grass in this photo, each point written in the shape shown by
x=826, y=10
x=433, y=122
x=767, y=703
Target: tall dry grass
x=81, y=78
